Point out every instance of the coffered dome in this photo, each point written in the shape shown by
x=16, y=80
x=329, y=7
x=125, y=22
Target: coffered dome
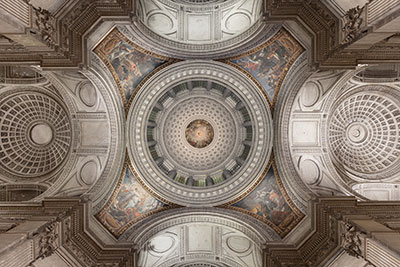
x=35, y=133
x=199, y=129
x=363, y=132
x=189, y=116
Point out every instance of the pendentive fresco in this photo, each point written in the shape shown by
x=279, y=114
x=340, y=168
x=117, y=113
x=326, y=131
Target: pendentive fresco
x=128, y=62
x=269, y=62
x=129, y=203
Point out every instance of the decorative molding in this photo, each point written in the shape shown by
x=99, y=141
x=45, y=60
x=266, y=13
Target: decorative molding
x=314, y=249
x=64, y=32
x=48, y=240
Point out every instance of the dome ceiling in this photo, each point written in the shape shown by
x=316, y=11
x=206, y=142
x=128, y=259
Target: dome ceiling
x=35, y=131
x=240, y=119
x=363, y=133
x=49, y=140
x=343, y=134
x=196, y=132
x=199, y=133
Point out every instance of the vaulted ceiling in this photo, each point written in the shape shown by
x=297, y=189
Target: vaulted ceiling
x=199, y=133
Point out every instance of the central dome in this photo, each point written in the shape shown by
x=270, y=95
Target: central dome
x=199, y=133
x=195, y=132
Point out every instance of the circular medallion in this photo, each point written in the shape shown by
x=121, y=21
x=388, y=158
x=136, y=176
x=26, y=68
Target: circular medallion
x=356, y=133
x=36, y=133
x=199, y=133
x=41, y=134
x=363, y=133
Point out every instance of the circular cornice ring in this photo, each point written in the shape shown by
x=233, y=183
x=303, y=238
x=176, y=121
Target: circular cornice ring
x=161, y=184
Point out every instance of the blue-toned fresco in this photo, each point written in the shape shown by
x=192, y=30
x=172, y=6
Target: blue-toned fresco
x=267, y=202
x=130, y=204
x=129, y=63
x=269, y=63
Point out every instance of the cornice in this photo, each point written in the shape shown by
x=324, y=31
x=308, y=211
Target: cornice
x=67, y=49
x=325, y=27
x=315, y=249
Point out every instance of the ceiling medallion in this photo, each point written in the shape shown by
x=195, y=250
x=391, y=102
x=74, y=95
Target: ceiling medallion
x=199, y=133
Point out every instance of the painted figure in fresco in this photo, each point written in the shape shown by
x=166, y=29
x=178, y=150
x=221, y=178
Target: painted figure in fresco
x=131, y=65
x=267, y=201
x=268, y=64
x=131, y=202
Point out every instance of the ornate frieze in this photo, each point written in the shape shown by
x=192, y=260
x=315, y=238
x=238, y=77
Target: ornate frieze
x=351, y=241
x=353, y=21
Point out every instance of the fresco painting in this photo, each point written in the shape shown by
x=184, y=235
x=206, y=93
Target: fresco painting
x=267, y=203
x=130, y=204
x=126, y=61
x=269, y=63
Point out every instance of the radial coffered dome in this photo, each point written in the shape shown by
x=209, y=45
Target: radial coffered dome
x=363, y=132
x=197, y=136
x=198, y=130
x=35, y=133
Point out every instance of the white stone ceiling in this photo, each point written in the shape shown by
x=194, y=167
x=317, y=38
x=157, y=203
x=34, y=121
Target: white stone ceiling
x=199, y=22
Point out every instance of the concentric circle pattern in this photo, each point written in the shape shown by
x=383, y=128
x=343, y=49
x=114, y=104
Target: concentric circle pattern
x=199, y=133
x=364, y=133
x=183, y=143
x=35, y=134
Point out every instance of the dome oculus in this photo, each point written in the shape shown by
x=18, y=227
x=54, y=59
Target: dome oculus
x=199, y=133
